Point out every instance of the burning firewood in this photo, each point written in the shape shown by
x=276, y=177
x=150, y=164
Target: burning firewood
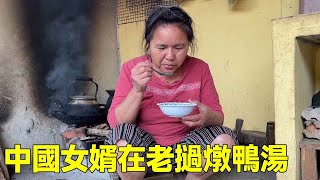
x=99, y=130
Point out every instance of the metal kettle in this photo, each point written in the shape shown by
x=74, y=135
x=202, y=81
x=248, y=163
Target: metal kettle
x=80, y=105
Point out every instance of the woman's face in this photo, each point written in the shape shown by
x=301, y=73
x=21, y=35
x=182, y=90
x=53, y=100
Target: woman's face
x=168, y=47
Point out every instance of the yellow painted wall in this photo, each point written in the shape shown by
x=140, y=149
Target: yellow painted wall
x=317, y=73
x=103, y=48
x=295, y=81
x=304, y=74
x=234, y=43
x=237, y=44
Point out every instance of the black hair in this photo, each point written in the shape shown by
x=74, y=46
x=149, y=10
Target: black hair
x=168, y=15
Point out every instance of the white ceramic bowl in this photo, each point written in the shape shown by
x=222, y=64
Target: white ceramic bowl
x=176, y=109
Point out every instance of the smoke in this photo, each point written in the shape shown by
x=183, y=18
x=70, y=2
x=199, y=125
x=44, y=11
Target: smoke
x=59, y=33
x=66, y=36
x=65, y=31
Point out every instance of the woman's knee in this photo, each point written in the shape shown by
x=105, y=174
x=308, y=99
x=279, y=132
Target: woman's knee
x=121, y=129
x=121, y=142
x=223, y=139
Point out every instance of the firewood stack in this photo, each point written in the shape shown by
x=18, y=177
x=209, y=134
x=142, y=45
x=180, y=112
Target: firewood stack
x=83, y=136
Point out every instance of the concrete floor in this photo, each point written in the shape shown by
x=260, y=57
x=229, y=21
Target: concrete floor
x=233, y=175
x=26, y=174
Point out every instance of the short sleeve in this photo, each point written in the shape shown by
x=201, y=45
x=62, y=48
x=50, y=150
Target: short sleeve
x=123, y=87
x=209, y=95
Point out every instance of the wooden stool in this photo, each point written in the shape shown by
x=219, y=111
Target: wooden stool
x=309, y=149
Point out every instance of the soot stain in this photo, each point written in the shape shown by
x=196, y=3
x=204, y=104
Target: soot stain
x=58, y=33
x=6, y=106
x=6, y=99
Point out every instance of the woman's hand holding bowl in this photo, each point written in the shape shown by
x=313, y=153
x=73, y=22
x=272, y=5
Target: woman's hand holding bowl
x=200, y=119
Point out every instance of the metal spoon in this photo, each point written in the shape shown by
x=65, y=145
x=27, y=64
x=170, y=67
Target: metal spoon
x=163, y=73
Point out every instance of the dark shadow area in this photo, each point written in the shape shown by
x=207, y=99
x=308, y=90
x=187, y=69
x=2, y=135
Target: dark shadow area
x=6, y=104
x=58, y=33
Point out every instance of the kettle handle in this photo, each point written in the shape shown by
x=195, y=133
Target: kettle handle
x=84, y=79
